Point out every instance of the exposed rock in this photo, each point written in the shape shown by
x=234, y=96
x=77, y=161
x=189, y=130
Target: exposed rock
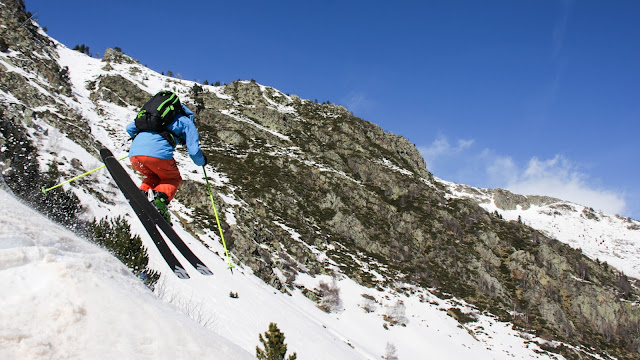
x=120, y=91
x=507, y=200
x=117, y=57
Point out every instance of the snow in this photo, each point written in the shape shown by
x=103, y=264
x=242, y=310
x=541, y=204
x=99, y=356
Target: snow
x=284, y=109
x=244, y=119
x=65, y=298
x=607, y=239
x=390, y=165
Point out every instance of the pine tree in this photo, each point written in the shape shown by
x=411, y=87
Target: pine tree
x=274, y=346
x=83, y=49
x=61, y=206
x=196, y=90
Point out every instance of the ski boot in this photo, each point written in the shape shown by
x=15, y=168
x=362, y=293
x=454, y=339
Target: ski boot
x=160, y=200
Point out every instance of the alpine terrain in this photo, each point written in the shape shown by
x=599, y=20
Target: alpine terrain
x=336, y=231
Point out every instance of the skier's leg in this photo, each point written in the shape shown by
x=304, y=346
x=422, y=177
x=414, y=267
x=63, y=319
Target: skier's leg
x=168, y=174
x=144, y=165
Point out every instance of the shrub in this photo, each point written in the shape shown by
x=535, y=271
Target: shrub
x=390, y=353
x=329, y=296
x=3, y=45
x=196, y=90
x=396, y=314
x=369, y=304
x=624, y=286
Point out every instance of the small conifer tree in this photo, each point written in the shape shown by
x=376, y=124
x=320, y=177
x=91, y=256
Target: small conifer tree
x=274, y=346
x=82, y=48
x=196, y=90
x=115, y=235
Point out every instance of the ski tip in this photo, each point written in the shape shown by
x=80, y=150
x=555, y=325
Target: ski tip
x=181, y=273
x=204, y=270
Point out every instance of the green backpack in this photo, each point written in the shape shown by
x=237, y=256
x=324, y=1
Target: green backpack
x=158, y=113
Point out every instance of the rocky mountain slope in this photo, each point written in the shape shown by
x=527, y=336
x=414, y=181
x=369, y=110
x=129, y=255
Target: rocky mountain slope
x=309, y=189
x=610, y=238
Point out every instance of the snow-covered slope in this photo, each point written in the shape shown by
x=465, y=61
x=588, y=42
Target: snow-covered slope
x=64, y=298
x=611, y=238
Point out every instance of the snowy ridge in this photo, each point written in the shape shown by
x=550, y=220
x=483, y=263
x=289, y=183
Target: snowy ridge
x=609, y=238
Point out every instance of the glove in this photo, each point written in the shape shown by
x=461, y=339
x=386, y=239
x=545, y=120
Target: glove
x=205, y=160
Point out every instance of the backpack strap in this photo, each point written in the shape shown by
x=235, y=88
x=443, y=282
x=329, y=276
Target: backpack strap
x=171, y=138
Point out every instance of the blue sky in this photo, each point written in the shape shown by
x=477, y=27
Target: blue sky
x=535, y=96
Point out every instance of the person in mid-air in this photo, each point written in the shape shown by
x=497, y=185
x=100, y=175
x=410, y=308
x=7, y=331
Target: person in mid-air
x=162, y=124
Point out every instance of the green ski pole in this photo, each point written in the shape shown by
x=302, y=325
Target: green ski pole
x=45, y=191
x=215, y=212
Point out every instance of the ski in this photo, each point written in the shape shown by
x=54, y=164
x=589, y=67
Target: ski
x=127, y=186
x=177, y=241
x=152, y=220
x=159, y=241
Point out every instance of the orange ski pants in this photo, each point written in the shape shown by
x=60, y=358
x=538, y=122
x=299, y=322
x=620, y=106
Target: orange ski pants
x=159, y=174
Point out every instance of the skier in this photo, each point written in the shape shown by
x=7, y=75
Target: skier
x=151, y=154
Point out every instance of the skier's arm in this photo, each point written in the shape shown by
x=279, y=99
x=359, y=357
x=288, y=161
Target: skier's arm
x=132, y=129
x=192, y=139
x=193, y=144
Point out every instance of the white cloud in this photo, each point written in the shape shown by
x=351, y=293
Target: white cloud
x=442, y=148
x=556, y=177
x=499, y=169
x=357, y=102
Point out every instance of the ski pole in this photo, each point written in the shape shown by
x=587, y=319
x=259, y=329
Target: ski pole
x=215, y=212
x=45, y=191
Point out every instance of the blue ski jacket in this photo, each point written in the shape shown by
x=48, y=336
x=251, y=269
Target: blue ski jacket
x=152, y=144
